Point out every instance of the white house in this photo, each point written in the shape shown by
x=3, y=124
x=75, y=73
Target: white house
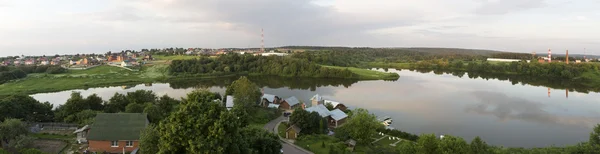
x=125, y=64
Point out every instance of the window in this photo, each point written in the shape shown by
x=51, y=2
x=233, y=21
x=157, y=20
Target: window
x=129, y=144
x=114, y=144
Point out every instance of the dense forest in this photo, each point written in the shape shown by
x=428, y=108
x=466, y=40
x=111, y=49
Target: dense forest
x=8, y=73
x=262, y=65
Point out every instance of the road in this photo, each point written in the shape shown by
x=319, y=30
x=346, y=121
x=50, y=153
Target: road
x=287, y=149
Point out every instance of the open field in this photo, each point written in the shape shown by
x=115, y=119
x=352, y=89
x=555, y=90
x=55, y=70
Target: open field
x=49, y=146
x=366, y=74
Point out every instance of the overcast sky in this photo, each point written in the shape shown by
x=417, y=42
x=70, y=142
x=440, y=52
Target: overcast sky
x=36, y=27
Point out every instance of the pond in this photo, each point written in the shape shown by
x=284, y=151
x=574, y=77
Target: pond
x=499, y=111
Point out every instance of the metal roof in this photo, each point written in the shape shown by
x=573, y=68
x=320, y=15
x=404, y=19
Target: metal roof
x=333, y=103
x=229, y=102
x=316, y=97
x=269, y=97
x=321, y=109
x=273, y=105
x=337, y=114
x=292, y=101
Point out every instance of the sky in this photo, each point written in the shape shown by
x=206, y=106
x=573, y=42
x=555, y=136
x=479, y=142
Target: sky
x=42, y=27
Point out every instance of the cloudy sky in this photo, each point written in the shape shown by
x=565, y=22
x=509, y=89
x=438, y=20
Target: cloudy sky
x=36, y=27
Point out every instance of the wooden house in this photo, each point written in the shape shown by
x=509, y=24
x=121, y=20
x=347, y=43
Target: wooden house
x=292, y=132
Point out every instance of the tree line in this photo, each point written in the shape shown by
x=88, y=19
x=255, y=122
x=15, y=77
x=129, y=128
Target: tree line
x=262, y=65
x=533, y=68
x=8, y=73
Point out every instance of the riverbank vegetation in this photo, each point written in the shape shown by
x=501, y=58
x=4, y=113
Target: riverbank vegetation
x=364, y=129
x=12, y=73
x=268, y=65
x=201, y=111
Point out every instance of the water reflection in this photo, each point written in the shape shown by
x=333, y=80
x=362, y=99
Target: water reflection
x=457, y=103
x=511, y=108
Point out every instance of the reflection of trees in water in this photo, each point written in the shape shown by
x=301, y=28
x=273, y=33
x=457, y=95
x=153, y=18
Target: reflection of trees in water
x=262, y=81
x=522, y=79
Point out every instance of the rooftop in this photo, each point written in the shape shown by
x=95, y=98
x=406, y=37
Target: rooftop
x=321, y=109
x=269, y=97
x=337, y=114
x=292, y=101
x=229, y=102
x=296, y=128
x=117, y=126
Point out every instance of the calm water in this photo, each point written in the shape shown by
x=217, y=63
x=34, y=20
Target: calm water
x=498, y=111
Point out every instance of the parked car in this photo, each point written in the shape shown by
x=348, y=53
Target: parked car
x=287, y=114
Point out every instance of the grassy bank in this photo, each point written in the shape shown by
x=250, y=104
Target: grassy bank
x=365, y=74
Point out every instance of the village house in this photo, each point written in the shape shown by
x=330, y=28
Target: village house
x=30, y=62
x=126, y=63
x=292, y=132
x=116, y=132
x=147, y=57
x=18, y=62
x=6, y=63
x=336, y=105
x=267, y=99
x=45, y=62
x=335, y=117
x=290, y=103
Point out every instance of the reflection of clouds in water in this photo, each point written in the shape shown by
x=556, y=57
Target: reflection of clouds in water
x=59, y=98
x=509, y=108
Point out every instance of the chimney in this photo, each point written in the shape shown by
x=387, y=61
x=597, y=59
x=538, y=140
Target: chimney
x=567, y=59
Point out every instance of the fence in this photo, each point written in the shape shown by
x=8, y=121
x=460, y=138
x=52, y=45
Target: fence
x=36, y=127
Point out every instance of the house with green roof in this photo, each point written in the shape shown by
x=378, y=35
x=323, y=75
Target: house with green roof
x=116, y=132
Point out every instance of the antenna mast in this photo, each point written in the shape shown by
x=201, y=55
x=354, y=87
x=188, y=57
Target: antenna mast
x=262, y=40
x=549, y=55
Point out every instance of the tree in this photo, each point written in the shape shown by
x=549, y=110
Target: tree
x=478, y=146
x=310, y=123
x=134, y=108
x=155, y=114
x=10, y=129
x=246, y=93
x=82, y=118
x=149, y=140
x=451, y=145
x=21, y=141
x=94, y=102
x=141, y=96
x=261, y=141
x=361, y=125
x=26, y=108
x=201, y=125
x=117, y=103
x=428, y=144
x=407, y=147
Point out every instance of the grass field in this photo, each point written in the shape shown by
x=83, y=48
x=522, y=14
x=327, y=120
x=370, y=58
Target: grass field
x=314, y=143
x=281, y=129
x=366, y=74
x=176, y=57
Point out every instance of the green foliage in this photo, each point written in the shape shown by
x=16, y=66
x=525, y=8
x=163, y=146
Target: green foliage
x=26, y=108
x=85, y=117
x=595, y=136
x=478, y=146
x=30, y=151
x=407, y=147
x=246, y=93
x=265, y=65
x=261, y=141
x=361, y=125
x=201, y=125
x=21, y=141
x=149, y=140
x=116, y=103
x=12, y=73
x=134, y=108
x=76, y=104
x=141, y=96
x=453, y=145
x=310, y=123
x=2, y=151
x=428, y=144
x=10, y=129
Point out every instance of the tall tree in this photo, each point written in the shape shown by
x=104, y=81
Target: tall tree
x=361, y=125
x=149, y=140
x=141, y=96
x=246, y=93
x=134, y=108
x=26, y=108
x=201, y=125
x=116, y=103
x=10, y=129
x=451, y=145
x=95, y=102
x=309, y=122
x=262, y=141
x=478, y=146
x=428, y=144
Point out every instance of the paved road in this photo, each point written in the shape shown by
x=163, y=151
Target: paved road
x=287, y=149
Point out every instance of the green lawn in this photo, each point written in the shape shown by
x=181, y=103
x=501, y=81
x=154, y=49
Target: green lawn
x=314, y=143
x=175, y=57
x=386, y=141
x=367, y=74
x=281, y=129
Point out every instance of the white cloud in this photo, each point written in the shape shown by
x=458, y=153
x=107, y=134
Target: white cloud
x=31, y=26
